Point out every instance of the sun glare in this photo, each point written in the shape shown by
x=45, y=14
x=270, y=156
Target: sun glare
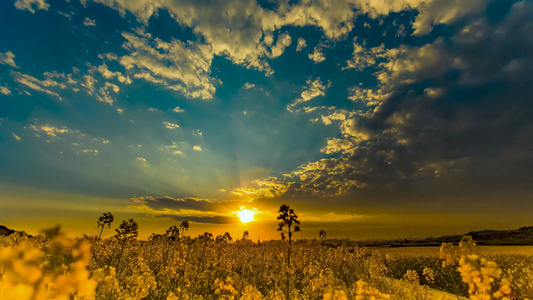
x=246, y=215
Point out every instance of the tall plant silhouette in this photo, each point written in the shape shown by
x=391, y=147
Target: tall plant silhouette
x=104, y=221
x=288, y=218
x=184, y=226
x=128, y=230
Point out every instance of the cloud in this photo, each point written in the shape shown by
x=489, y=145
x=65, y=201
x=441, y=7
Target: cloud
x=52, y=81
x=284, y=40
x=174, y=149
x=190, y=209
x=179, y=66
x=318, y=56
x=197, y=148
x=91, y=151
x=16, y=137
x=248, y=86
x=31, y=5
x=430, y=12
x=467, y=135
x=89, y=22
x=8, y=58
x=177, y=109
x=50, y=130
x=243, y=31
x=104, y=95
x=314, y=88
x=107, y=74
x=362, y=58
x=142, y=161
x=4, y=90
x=335, y=18
x=336, y=145
x=171, y=125
x=301, y=44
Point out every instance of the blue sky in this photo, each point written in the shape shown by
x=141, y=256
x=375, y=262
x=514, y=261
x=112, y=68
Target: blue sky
x=391, y=118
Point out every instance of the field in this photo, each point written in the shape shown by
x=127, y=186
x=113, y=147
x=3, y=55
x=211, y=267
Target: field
x=435, y=251
x=170, y=266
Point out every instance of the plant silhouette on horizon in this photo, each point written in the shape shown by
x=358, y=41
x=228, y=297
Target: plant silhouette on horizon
x=173, y=233
x=184, y=226
x=288, y=218
x=128, y=230
x=105, y=220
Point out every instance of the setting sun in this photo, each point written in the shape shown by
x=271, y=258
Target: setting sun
x=246, y=215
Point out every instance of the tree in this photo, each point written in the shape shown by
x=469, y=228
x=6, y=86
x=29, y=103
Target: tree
x=288, y=218
x=184, y=226
x=245, y=235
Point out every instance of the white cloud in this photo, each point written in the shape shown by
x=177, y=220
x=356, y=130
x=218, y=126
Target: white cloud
x=242, y=30
x=16, y=137
x=88, y=83
x=174, y=148
x=36, y=84
x=197, y=148
x=369, y=97
x=92, y=151
x=318, y=56
x=103, y=94
x=431, y=12
x=336, y=145
x=142, y=161
x=301, y=44
x=334, y=17
x=284, y=40
x=177, y=109
x=184, y=67
x=248, y=85
x=171, y=125
x=31, y=5
x=313, y=89
x=89, y=22
x=107, y=74
x=362, y=58
x=50, y=130
x=5, y=90
x=8, y=58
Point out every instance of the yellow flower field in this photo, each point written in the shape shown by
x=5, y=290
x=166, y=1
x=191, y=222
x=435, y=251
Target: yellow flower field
x=170, y=266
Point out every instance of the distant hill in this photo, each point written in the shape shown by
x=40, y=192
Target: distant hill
x=6, y=231
x=520, y=236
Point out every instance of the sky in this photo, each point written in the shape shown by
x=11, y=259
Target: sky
x=371, y=119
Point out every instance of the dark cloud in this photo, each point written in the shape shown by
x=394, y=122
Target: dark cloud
x=455, y=120
x=202, y=219
x=190, y=209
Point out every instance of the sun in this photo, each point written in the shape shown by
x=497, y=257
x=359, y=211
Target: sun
x=246, y=215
